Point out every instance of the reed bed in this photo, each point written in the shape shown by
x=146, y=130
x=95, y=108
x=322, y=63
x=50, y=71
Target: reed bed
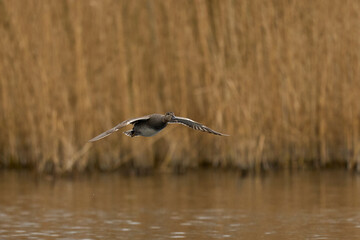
x=281, y=77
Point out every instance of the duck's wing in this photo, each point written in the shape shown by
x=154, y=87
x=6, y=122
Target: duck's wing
x=195, y=125
x=117, y=127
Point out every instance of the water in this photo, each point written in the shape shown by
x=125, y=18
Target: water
x=196, y=205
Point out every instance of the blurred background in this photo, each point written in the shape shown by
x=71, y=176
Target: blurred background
x=281, y=77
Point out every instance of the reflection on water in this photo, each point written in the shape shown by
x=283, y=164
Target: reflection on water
x=197, y=205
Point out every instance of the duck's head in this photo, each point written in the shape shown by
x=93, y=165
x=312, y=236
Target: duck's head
x=169, y=116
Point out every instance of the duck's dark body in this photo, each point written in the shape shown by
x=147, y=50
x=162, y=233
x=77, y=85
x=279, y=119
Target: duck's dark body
x=147, y=128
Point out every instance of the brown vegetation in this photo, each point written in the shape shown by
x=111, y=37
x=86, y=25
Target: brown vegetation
x=281, y=77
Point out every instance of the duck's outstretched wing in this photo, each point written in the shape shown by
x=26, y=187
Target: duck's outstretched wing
x=117, y=127
x=195, y=125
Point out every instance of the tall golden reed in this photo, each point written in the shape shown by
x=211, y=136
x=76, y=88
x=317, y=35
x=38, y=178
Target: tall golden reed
x=281, y=77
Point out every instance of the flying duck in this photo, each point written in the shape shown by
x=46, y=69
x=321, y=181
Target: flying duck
x=150, y=125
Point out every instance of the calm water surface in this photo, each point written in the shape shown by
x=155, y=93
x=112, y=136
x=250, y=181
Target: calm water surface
x=196, y=205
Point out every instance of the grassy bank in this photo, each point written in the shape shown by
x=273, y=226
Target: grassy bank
x=281, y=77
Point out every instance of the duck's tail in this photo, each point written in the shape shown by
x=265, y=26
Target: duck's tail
x=130, y=133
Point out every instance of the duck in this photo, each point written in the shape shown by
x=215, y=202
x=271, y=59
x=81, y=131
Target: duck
x=150, y=125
